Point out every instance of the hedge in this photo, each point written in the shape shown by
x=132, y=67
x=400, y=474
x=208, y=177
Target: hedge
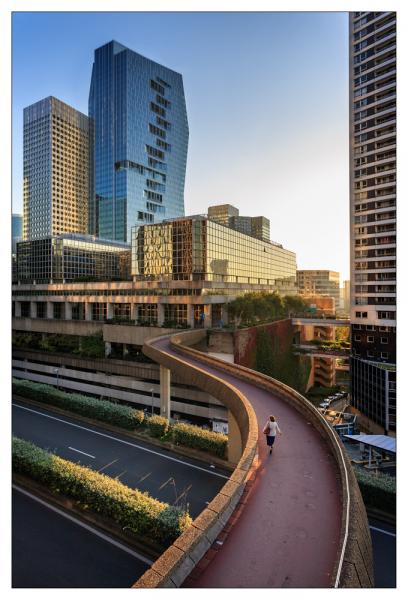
x=123, y=416
x=378, y=489
x=129, y=508
x=102, y=410
x=195, y=437
x=158, y=426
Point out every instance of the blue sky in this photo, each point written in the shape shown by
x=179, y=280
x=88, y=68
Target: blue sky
x=267, y=103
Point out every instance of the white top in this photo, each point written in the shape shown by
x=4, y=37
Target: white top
x=273, y=427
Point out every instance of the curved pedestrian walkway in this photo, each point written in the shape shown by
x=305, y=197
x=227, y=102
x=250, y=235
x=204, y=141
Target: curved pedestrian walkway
x=289, y=533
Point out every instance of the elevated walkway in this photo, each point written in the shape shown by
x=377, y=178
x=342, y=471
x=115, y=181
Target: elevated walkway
x=304, y=524
x=320, y=322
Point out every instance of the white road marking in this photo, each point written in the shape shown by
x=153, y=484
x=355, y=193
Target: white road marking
x=111, y=437
x=383, y=531
x=85, y=526
x=80, y=452
x=108, y=465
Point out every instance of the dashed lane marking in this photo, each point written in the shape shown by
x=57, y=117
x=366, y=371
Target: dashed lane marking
x=111, y=437
x=80, y=452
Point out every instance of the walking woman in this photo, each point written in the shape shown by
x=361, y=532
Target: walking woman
x=270, y=429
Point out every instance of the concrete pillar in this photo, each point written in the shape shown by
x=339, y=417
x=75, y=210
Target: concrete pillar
x=133, y=311
x=164, y=392
x=160, y=314
x=88, y=311
x=109, y=310
x=33, y=310
x=234, y=439
x=208, y=315
x=50, y=310
x=125, y=350
x=17, y=309
x=190, y=315
x=108, y=349
x=68, y=311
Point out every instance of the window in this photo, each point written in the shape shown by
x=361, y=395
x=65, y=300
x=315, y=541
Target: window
x=370, y=354
x=384, y=354
x=358, y=315
x=384, y=340
x=357, y=338
x=370, y=339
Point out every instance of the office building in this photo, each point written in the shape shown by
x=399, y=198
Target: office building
x=312, y=282
x=372, y=55
x=228, y=215
x=56, y=169
x=72, y=257
x=222, y=213
x=16, y=230
x=200, y=249
x=139, y=142
x=185, y=272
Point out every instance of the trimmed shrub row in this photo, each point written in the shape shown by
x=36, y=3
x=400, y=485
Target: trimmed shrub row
x=378, y=490
x=102, y=410
x=158, y=426
x=124, y=416
x=195, y=437
x=131, y=509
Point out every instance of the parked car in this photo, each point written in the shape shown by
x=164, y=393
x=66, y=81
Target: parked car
x=324, y=404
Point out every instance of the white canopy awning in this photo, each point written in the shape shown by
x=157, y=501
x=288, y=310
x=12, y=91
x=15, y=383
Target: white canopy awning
x=384, y=442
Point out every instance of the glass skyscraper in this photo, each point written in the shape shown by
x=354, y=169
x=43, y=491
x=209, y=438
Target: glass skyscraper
x=139, y=142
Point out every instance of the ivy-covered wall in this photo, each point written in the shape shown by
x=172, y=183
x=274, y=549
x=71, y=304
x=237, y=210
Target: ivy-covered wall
x=268, y=349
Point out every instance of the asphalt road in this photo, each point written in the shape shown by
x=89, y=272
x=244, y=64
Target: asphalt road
x=51, y=551
x=165, y=476
x=384, y=551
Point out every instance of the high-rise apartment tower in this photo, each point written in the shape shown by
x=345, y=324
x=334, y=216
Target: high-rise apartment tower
x=56, y=169
x=372, y=72
x=139, y=142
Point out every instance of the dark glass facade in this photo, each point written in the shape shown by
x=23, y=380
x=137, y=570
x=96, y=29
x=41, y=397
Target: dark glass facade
x=139, y=142
x=373, y=388
x=72, y=258
x=16, y=230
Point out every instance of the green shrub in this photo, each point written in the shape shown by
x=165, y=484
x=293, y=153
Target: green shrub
x=158, y=426
x=201, y=439
x=130, y=508
x=102, y=410
x=378, y=489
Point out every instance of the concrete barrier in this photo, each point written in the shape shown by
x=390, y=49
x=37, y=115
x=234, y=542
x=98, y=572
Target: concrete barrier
x=177, y=562
x=354, y=564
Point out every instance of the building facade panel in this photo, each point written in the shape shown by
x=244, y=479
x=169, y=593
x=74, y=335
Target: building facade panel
x=56, y=169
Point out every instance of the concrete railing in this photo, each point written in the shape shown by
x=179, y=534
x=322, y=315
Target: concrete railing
x=354, y=564
x=177, y=562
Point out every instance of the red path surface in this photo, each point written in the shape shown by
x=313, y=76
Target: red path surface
x=289, y=532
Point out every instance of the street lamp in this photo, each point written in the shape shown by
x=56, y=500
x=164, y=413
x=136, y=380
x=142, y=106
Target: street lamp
x=56, y=371
x=151, y=391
